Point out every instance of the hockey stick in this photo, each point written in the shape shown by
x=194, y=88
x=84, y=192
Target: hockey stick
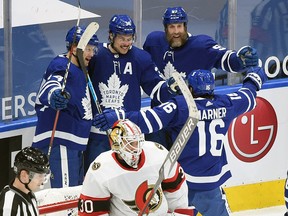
x=90, y=30
x=179, y=142
x=63, y=86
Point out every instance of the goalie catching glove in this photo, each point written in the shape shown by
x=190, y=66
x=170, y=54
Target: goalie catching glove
x=257, y=75
x=107, y=118
x=58, y=100
x=247, y=57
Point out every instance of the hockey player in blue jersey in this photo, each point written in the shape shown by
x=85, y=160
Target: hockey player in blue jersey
x=75, y=117
x=118, y=72
x=176, y=49
x=203, y=158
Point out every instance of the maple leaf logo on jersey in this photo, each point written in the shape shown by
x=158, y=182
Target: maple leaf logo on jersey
x=86, y=103
x=113, y=94
x=169, y=69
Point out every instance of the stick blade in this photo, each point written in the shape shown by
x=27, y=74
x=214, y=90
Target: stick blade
x=90, y=30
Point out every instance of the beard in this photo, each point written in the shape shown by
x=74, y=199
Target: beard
x=176, y=42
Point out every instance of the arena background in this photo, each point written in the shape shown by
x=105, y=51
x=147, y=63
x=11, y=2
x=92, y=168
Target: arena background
x=256, y=143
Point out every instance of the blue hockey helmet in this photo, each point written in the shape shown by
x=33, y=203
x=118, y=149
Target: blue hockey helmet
x=202, y=82
x=122, y=24
x=74, y=35
x=174, y=15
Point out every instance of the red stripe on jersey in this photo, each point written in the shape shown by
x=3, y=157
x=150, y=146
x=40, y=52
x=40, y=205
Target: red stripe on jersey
x=174, y=183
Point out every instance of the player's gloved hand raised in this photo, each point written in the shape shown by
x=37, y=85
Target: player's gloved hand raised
x=107, y=118
x=59, y=100
x=173, y=87
x=248, y=56
x=257, y=75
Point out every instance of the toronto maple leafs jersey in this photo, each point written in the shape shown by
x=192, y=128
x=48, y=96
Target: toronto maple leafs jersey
x=199, y=52
x=118, y=80
x=74, y=122
x=203, y=158
x=113, y=188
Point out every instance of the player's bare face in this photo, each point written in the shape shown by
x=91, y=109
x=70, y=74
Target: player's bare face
x=88, y=53
x=176, y=34
x=122, y=43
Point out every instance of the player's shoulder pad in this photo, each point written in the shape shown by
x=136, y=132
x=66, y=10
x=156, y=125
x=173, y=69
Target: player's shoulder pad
x=155, y=34
x=141, y=55
x=159, y=146
x=155, y=38
x=154, y=145
x=59, y=63
x=95, y=165
x=203, y=39
x=103, y=160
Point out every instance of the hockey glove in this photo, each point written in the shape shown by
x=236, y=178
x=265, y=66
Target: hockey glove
x=173, y=87
x=59, y=100
x=248, y=57
x=257, y=75
x=107, y=118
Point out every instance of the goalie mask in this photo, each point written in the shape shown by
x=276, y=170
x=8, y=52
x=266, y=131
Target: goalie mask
x=127, y=141
x=202, y=82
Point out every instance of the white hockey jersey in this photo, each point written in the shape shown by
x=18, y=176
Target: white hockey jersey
x=113, y=188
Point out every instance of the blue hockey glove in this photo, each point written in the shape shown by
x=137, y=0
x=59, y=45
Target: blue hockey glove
x=257, y=75
x=248, y=56
x=107, y=118
x=59, y=100
x=173, y=87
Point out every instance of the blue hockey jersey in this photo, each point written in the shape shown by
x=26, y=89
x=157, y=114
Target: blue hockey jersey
x=199, y=52
x=118, y=79
x=203, y=158
x=74, y=123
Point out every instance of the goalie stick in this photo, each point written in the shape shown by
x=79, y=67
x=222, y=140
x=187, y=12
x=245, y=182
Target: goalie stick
x=179, y=142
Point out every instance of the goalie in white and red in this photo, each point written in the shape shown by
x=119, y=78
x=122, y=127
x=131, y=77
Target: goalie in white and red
x=119, y=181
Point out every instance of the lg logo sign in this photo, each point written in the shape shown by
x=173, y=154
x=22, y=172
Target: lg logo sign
x=252, y=134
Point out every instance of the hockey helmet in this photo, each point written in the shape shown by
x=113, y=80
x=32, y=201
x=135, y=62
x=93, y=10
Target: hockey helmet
x=127, y=140
x=202, y=82
x=32, y=160
x=122, y=24
x=74, y=35
x=174, y=15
